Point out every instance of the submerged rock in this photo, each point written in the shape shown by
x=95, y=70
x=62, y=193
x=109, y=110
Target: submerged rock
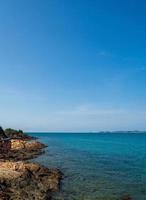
x=127, y=198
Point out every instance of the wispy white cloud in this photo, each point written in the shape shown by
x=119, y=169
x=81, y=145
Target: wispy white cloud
x=143, y=68
x=104, y=54
x=79, y=118
x=88, y=111
x=83, y=118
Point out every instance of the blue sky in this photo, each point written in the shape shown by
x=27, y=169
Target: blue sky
x=73, y=65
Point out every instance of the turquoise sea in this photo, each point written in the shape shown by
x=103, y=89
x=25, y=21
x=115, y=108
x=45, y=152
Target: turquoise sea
x=97, y=166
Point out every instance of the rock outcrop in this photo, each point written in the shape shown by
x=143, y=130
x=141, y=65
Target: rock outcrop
x=22, y=150
x=27, y=181
x=18, y=144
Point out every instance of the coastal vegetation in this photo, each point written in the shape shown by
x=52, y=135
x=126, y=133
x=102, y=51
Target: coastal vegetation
x=15, y=133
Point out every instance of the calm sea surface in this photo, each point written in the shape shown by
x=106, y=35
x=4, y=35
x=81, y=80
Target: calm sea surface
x=104, y=166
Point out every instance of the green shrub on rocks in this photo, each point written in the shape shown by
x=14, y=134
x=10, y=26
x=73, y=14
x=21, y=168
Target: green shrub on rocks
x=12, y=133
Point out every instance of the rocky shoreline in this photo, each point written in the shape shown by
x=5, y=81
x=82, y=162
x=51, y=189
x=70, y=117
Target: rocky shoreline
x=22, y=150
x=21, y=179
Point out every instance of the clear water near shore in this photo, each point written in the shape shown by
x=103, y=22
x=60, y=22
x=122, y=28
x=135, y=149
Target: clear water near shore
x=104, y=166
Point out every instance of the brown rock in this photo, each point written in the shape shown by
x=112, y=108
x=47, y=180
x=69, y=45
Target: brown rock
x=20, y=180
x=22, y=150
x=28, y=181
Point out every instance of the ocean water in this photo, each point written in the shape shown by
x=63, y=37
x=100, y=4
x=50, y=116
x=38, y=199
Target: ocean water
x=102, y=166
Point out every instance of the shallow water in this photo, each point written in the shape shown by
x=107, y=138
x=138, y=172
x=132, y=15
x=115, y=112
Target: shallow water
x=104, y=166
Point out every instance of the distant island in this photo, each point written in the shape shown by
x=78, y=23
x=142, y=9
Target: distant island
x=134, y=131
